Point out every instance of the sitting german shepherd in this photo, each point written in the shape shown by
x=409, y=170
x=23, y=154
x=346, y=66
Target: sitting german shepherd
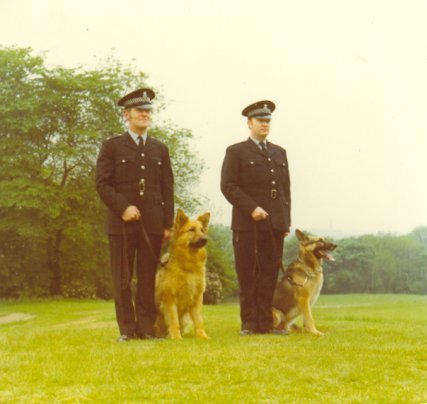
x=298, y=289
x=180, y=281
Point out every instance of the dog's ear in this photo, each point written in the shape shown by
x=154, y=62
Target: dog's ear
x=180, y=219
x=204, y=220
x=300, y=235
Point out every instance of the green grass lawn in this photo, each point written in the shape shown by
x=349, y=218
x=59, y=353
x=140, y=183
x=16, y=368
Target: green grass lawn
x=374, y=351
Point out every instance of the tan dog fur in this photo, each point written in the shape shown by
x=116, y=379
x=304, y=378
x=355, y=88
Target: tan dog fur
x=299, y=288
x=180, y=281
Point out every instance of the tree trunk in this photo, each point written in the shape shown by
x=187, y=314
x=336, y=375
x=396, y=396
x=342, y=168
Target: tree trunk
x=54, y=263
x=54, y=246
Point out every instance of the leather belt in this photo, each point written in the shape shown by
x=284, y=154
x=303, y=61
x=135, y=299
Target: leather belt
x=140, y=186
x=272, y=193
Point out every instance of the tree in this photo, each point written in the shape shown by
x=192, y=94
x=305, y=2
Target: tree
x=420, y=234
x=221, y=277
x=406, y=269
x=351, y=270
x=382, y=263
x=51, y=220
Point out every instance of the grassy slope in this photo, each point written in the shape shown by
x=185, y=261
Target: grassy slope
x=374, y=351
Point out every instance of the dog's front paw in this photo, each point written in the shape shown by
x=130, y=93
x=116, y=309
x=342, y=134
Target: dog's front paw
x=175, y=333
x=202, y=335
x=175, y=336
x=316, y=332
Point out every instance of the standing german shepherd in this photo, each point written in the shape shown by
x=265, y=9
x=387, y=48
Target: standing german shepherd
x=298, y=289
x=180, y=281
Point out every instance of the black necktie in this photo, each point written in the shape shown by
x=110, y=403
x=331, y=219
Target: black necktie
x=140, y=142
x=263, y=147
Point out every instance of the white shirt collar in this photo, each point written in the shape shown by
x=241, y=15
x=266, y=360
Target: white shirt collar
x=257, y=142
x=135, y=136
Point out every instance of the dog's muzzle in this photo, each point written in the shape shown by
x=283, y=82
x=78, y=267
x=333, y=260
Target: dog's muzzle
x=324, y=251
x=201, y=242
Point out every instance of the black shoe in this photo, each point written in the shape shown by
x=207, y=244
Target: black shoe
x=125, y=338
x=247, y=332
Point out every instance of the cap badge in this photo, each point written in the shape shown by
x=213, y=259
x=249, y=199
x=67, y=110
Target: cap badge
x=145, y=97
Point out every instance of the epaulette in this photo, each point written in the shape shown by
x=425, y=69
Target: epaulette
x=112, y=138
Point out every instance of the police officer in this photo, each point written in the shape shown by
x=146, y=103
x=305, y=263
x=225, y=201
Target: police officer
x=135, y=181
x=255, y=180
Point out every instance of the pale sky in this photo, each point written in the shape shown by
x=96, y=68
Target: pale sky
x=349, y=79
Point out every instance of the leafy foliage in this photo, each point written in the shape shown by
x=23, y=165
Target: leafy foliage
x=213, y=291
x=221, y=278
x=51, y=220
x=378, y=264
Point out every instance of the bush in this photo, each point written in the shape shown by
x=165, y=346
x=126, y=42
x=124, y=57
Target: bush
x=213, y=292
x=79, y=290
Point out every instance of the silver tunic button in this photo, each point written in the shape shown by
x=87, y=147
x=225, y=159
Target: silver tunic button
x=273, y=182
x=142, y=155
x=272, y=170
x=269, y=159
x=143, y=167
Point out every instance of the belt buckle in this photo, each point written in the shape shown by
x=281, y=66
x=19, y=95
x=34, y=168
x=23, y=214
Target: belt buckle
x=141, y=186
x=273, y=193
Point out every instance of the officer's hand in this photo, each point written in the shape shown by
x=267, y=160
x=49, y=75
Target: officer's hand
x=259, y=214
x=131, y=213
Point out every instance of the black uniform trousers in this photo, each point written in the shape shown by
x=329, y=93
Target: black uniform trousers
x=135, y=318
x=257, y=271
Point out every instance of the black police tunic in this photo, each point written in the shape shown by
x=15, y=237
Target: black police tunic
x=252, y=178
x=127, y=175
